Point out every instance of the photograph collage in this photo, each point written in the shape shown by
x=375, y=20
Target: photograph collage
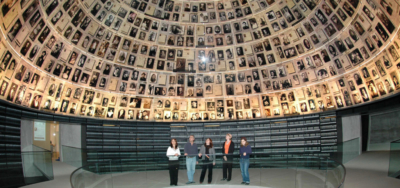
x=165, y=60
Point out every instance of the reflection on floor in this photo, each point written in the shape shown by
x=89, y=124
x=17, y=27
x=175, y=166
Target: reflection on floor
x=62, y=173
x=368, y=170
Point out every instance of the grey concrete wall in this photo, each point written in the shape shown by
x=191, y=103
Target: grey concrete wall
x=70, y=140
x=26, y=135
x=384, y=128
x=27, y=148
x=351, y=126
x=351, y=146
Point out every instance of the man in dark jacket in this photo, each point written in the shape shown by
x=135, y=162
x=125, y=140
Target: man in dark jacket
x=227, y=152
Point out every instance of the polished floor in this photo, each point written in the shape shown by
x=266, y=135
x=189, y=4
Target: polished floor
x=368, y=170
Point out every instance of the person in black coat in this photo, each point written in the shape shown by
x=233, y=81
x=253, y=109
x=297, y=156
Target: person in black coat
x=227, y=152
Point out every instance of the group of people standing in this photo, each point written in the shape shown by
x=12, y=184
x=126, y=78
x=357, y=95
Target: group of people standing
x=207, y=157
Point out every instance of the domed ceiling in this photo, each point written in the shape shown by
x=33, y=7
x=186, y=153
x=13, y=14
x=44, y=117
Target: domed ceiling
x=167, y=60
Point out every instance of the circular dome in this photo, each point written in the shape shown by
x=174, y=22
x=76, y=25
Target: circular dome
x=170, y=60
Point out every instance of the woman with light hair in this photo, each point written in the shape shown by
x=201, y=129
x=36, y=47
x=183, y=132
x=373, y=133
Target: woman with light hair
x=227, y=152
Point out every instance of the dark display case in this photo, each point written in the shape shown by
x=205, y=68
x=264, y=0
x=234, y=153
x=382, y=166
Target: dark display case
x=139, y=143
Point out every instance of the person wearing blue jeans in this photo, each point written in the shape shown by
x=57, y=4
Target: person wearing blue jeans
x=191, y=158
x=245, y=151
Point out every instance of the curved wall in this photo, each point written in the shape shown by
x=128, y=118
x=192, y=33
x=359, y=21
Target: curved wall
x=180, y=61
x=141, y=132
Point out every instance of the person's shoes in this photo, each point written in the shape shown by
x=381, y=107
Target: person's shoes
x=228, y=180
x=223, y=179
x=209, y=182
x=243, y=182
x=189, y=182
x=201, y=182
x=192, y=182
x=247, y=183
